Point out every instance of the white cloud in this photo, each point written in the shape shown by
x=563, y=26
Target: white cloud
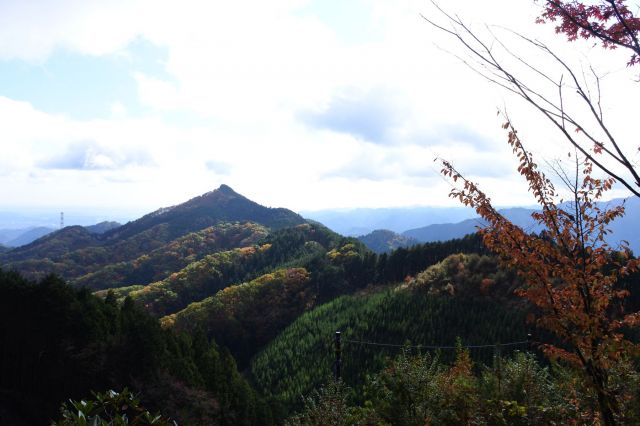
x=32, y=30
x=157, y=93
x=250, y=71
x=89, y=155
x=118, y=110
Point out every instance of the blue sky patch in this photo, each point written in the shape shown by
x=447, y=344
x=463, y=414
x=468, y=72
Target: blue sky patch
x=82, y=86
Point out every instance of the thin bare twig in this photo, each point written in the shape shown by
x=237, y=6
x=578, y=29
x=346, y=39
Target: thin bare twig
x=486, y=64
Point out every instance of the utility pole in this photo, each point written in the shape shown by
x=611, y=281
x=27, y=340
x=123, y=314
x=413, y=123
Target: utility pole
x=338, y=356
x=61, y=220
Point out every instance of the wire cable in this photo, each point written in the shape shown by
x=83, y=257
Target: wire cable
x=361, y=342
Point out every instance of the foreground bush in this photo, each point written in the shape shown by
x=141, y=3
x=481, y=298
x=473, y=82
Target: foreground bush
x=109, y=409
x=422, y=390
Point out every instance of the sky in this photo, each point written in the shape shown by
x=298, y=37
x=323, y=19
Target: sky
x=131, y=105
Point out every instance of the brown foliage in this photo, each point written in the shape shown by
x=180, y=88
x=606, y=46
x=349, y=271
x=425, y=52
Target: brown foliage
x=569, y=272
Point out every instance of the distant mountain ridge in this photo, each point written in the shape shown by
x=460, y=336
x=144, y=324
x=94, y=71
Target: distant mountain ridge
x=361, y=221
x=384, y=241
x=29, y=235
x=23, y=236
x=446, y=231
x=626, y=227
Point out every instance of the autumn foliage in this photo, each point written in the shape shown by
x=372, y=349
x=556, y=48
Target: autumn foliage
x=610, y=21
x=570, y=273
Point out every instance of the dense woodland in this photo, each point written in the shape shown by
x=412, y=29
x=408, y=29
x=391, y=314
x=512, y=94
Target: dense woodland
x=60, y=343
x=233, y=323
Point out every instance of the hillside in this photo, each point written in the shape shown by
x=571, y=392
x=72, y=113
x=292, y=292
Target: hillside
x=52, y=246
x=455, y=298
x=245, y=317
x=224, y=291
x=76, y=251
x=305, y=246
x=159, y=263
x=220, y=205
x=59, y=343
x=24, y=236
x=266, y=285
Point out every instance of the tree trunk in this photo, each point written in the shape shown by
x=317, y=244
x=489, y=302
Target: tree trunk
x=606, y=410
x=606, y=401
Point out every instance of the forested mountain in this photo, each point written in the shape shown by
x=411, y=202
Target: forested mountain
x=222, y=292
x=52, y=246
x=60, y=343
x=465, y=296
x=220, y=205
x=245, y=317
x=75, y=251
x=157, y=264
x=385, y=241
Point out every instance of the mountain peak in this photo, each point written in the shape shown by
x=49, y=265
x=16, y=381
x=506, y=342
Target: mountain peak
x=220, y=205
x=226, y=189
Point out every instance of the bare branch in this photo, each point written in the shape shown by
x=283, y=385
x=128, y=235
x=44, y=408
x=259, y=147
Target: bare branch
x=485, y=63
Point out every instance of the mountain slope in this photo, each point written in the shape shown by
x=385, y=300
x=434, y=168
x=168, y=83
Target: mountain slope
x=304, y=246
x=157, y=264
x=220, y=205
x=261, y=288
x=76, y=251
x=247, y=316
x=53, y=246
x=447, y=301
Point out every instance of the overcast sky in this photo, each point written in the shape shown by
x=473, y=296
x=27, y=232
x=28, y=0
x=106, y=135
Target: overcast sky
x=138, y=104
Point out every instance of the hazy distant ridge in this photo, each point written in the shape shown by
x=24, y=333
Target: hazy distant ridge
x=624, y=228
x=384, y=241
x=365, y=220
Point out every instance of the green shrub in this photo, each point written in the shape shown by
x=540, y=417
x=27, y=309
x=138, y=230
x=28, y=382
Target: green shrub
x=109, y=408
